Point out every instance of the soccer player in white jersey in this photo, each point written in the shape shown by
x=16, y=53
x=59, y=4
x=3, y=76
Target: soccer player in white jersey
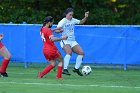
x=70, y=45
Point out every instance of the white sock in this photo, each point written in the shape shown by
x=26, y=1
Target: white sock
x=78, y=61
x=66, y=61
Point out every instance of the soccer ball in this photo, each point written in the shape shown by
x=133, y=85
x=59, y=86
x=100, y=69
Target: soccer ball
x=86, y=70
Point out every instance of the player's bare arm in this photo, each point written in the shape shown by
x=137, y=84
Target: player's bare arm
x=52, y=38
x=85, y=18
x=58, y=29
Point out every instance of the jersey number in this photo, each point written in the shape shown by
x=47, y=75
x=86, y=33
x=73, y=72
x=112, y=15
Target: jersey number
x=43, y=38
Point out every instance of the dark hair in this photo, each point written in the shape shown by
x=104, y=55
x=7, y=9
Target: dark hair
x=67, y=11
x=47, y=19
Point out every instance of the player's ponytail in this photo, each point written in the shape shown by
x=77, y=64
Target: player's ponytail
x=67, y=11
x=46, y=20
x=44, y=24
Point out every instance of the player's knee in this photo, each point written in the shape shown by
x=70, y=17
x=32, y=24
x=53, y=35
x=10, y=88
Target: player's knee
x=81, y=53
x=8, y=56
x=60, y=59
x=60, y=64
x=68, y=52
x=53, y=64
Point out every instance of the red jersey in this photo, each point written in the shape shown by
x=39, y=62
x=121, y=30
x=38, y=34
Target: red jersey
x=50, y=50
x=46, y=33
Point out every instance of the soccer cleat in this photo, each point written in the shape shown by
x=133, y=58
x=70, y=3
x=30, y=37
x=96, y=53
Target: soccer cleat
x=77, y=71
x=59, y=78
x=4, y=74
x=65, y=71
x=40, y=75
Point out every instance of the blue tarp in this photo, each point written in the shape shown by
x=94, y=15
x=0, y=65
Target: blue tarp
x=107, y=44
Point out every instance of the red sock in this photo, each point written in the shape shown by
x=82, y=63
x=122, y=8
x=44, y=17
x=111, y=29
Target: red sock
x=59, y=72
x=4, y=65
x=47, y=69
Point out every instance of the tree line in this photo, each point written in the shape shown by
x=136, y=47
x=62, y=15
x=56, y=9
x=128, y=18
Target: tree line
x=102, y=12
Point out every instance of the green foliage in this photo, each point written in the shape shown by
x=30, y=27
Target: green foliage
x=101, y=11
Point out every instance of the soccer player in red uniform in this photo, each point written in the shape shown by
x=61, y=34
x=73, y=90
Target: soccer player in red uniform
x=6, y=55
x=50, y=51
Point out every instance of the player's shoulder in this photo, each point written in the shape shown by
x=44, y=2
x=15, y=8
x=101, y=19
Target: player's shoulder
x=62, y=20
x=74, y=19
x=45, y=30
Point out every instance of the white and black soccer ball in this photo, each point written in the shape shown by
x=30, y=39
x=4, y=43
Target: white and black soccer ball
x=86, y=70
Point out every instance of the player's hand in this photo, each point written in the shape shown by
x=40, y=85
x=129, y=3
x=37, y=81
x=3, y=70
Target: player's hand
x=61, y=30
x=1, y=36
x=86, y=14
x=65, y=37
x=58, y=29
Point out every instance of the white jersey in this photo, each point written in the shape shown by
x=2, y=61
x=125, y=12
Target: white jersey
x=68, y=27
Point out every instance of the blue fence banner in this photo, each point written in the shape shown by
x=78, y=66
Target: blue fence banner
x=102, y=44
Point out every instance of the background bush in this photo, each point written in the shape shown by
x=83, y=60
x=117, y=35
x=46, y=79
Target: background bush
x=101, y=11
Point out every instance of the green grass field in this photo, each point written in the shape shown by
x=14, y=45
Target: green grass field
x=23, y=80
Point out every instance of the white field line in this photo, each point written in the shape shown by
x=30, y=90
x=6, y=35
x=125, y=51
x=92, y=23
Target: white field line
x=69, y=85
x=20, y=73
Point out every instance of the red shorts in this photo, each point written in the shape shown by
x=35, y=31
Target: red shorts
x=1, y=45
x=51, y=54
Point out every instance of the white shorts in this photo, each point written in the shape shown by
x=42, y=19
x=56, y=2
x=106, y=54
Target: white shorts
x=71, y=43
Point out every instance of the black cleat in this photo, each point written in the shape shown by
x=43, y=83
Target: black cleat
x=77, y=71
x=4, y=74
x=65, y=71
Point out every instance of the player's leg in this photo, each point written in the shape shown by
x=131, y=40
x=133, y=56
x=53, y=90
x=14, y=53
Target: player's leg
x=6, y=55
x=67, y=57
x=78, y=50
x=47, y=69
x=67, y=49
x=60, y=67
